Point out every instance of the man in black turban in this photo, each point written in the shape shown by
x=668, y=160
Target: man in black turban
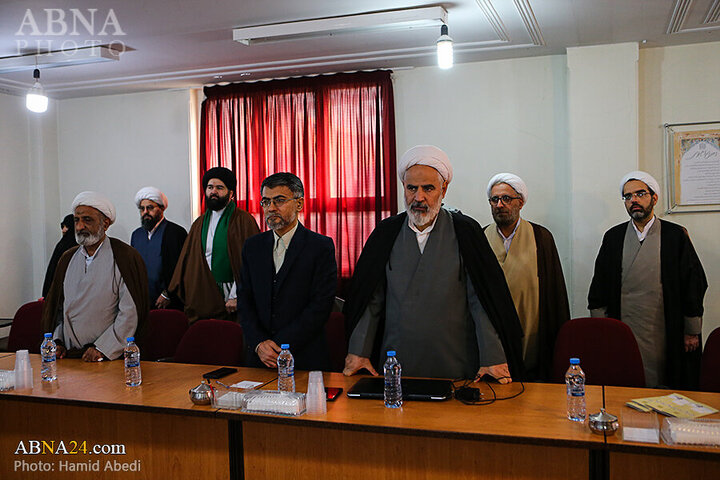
x=209, y=264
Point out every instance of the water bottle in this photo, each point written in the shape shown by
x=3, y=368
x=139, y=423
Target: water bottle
x=48, y=368
x=575, y=381
x=393, y=375
x=133, y=375
x=286, y=369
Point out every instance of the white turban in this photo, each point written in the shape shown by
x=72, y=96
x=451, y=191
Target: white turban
x=644, y=177
x=97, y=201
x=513, y=180
x=152, y=194
x=426, y=155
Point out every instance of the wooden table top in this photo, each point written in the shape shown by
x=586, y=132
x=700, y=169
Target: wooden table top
x=536, y=416
x=615, y=398
x=165, y=385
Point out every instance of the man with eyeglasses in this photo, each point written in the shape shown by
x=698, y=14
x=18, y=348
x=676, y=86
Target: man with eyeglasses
x=159, y=242
x=527, y=254
x=209, y=265
x=288, y=282
x=427, y=285
x=648, y=275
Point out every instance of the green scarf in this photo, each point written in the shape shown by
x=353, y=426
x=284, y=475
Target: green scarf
x=220, y=268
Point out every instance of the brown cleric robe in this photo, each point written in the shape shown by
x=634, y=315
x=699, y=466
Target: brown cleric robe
x=193, y=282
x=132, y=269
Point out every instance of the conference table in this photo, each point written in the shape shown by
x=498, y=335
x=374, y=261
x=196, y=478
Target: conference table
x=88, y=424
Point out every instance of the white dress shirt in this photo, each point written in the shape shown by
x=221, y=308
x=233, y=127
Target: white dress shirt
x=641, y=235
x=281, y=246
x=422, y=237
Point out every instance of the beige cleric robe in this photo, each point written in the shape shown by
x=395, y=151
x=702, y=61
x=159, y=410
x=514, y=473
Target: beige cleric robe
x=520, y=267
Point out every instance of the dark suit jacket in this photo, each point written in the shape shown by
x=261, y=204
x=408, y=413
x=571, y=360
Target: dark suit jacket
x=293, y=305
x=171, y=246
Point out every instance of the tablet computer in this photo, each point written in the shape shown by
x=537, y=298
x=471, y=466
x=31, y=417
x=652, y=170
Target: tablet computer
x=425, y=389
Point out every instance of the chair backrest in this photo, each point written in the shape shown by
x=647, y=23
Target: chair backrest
x=26, y=330
x=213, y=342
x=608, y=352
x=710, y=369
x=165, y=328
x=337, y=343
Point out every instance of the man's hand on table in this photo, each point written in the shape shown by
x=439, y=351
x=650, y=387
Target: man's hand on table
x=355, y=363
x=268, y=352
x=92, y=354
x=500, y=372
x=60, y=352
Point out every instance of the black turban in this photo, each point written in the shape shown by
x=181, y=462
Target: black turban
x=222, y=174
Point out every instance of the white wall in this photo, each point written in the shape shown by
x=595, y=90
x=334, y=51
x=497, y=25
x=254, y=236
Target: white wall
x=15, y=234
x=120, y=143
x=603, y=131
x=680, y=84
x=492, y=117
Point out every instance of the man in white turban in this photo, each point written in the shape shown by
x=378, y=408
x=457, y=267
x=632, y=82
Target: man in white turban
x=159, y=242
x=648, y=275
x=427, y=285
x=98, y=296
x=527, y=254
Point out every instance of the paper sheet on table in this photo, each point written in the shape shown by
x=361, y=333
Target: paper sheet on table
x=673, y=405
x=246, y=384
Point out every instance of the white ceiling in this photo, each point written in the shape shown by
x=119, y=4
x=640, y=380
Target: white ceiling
x=177, y=44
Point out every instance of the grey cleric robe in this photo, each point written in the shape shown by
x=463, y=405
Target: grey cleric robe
x=683, y=286
x=423, y=306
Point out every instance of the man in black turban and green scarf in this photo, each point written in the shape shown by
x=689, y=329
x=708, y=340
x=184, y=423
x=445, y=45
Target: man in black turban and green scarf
x=209, y=264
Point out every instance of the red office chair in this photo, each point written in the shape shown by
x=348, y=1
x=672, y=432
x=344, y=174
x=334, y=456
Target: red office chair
x=710, y=369
x=213, y=342
x=26, y=330
x=337, y=343
x=164, y=330
x=607, y=349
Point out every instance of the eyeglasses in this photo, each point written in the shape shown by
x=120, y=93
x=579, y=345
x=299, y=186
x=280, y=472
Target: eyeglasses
x=505, y=199
x=629, y=196
x=279, y=201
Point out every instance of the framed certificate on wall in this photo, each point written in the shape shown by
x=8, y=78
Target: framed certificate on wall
x=693, y=166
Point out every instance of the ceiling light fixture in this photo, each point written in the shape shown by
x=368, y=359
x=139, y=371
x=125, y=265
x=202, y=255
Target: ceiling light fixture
x=444, y=49
x=408, y=18
x=59, y=58
x=36, y=100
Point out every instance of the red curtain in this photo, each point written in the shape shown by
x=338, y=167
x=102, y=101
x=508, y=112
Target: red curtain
x=336, y=132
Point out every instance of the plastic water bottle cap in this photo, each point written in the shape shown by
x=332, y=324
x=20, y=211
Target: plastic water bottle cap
x=574, y=361
x=285, y=346
x=48, y=335
x=130, y=339
x=391, y=353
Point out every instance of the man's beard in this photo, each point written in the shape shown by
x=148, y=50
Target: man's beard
x=639, y=215
x=277, y=222
x=148, y=222
x=420, y=219
x=503, y=218
x=87, y=239
x=217, y=203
